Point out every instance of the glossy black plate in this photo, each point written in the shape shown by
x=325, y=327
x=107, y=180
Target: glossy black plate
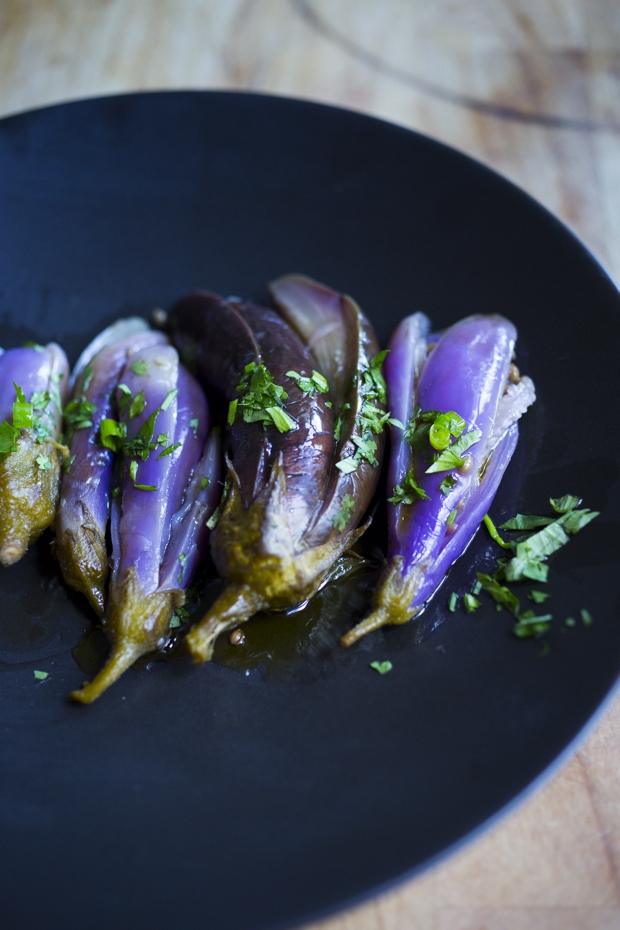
x=210, y=796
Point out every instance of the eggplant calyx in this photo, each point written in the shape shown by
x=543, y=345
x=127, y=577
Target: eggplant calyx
x=392, y=605
x=136, y=623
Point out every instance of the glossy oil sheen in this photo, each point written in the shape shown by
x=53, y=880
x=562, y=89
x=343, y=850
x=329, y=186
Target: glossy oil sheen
x=245, y=796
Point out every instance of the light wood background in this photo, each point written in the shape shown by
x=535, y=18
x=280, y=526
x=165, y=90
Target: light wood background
x=531, y=88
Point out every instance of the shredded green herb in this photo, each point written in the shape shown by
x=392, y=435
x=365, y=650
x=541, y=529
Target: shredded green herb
x=382, y=667
x=370, y=420
x=140, y=367
x=40, y=676
x=408, y=492
x=261, y=400
x=453, y=602
x=310, y=385
x=470, y=603
x=343, y=517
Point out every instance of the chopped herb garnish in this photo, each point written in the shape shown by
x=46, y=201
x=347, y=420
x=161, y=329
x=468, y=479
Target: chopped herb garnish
x=8, y=439
x=43, y=461
x=448, y=484
x=309, y=385
x=539, y=597
x=451, y=517
x=204, y=483
x=453, y=602
x=169, y=450
x=370, y=420
x=382, y=667
x=40, y=676
x=140, y=367
x=78, y=415
x=215, y=516
x=408, y=492
x=586, y=617
x=528, y=624
x=343, y=517
x=565, y=504
x=452, y=457
x=194, y=425
x=470, y=603
x=133, y=470
x=137, y=405
x=34, y=345
x=112, y=434
x=169, y=398
x=182, y=560
x=502, y=595
x=124, y=398
x=261, y=400
x=570, y=621
x=145, y=487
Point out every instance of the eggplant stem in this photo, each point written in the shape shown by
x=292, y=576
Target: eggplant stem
x=379, y=617
x=121, y=658
x=236, y=604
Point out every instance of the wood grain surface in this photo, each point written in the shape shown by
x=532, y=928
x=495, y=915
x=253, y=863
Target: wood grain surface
x=531, y=89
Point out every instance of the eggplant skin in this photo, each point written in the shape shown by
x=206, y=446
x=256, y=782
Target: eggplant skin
x=28, y=496
x=281, y=526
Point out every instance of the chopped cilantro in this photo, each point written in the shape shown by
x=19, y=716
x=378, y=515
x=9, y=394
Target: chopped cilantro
x=204, y=483
x=194, y=425
x=8, y=439
x=451, y=517
x=145, y=487
x=382, y=667
x=586, y=617
x=370, y=420
x=502, y=595
x=408, y=492
x=40, y=676
x=133, y=470
x=137, y=405
x=261, y=400
x=309, y=385
x=43, y=461
x=140, y=367
x=470, y=603
x=539, y=597
x=78, y=415
x=528, y=624
x=448, y=484
x=453, y=602
x=343, y=517
x=111, y=434
x=169, y=450
x=169, y=398
x=570, y=621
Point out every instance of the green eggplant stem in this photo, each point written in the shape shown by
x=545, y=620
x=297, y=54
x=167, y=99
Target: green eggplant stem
x=236, y=604
x=392, y=604
x=121, y=658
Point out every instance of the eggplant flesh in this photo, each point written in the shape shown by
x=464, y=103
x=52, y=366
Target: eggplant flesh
x=467, y=371
x=282, y=524
x=33, y=387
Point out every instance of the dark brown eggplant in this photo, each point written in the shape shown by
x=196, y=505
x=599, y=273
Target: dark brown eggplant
x=294, y=495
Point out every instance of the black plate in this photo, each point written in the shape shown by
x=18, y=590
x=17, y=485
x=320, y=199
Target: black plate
x=260, y=800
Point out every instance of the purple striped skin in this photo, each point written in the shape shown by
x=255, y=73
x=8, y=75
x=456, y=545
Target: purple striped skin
x=85, y=490
x=466, y=371
x=28, y=490
x=149, y=527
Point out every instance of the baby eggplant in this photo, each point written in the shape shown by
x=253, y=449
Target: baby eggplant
x=460, y=404
x=33, y=387
x=302, y=458
x=167, y=492
x=86, y=485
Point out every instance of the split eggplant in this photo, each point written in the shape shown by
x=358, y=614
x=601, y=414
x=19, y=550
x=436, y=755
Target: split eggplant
x=33, y=387
x=86, y=486
x=165, y=488
x=304, y=442
x=459, y=399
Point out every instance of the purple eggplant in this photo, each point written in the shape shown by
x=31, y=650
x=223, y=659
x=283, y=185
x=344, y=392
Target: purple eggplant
x=167, y=490
x=33, y=387
x=87, y=483
x=303, y=454
x=460, y=399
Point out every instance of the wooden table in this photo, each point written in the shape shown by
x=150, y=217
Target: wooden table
x=531, y=89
